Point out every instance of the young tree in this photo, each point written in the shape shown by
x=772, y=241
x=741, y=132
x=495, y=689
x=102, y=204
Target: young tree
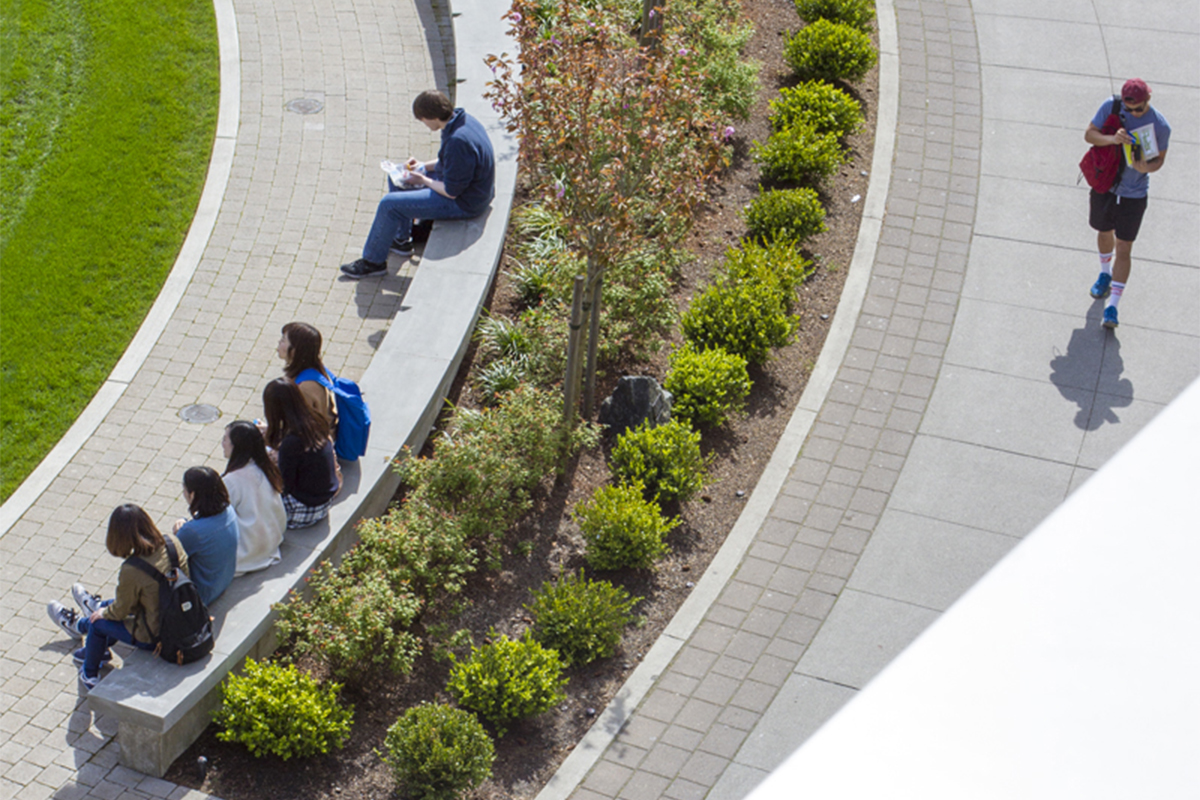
x=619, y=136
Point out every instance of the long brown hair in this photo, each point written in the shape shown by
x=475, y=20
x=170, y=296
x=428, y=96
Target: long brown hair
x=209, y=495
x=287, y=412
x=131, y=532
x=248, y=446
x=304, y=349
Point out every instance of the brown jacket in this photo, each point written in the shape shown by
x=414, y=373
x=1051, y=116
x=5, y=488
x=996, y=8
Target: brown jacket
x=136, y=603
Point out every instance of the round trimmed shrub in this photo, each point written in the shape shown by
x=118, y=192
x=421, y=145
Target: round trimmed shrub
x=707, y=384
x=777, y=264
x=622, y=528
x=855, y=13
x=580, y=618
x=508, y=679
x=437, y=752
x=829, y=51
x=278, y=710
x=798, y=154
x=747, y=318
x=665, y=459
x=823, y=106
x=790, y=215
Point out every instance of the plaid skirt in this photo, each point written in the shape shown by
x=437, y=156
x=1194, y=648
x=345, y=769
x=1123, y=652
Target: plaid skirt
x=300, y=515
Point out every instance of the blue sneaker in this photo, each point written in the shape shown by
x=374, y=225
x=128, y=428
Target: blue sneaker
x=1110, y=317
x=1100, y=288
x=79, y=654
x=88, y=681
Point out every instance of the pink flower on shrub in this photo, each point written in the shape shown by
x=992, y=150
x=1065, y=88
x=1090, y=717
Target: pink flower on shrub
x=729, y=132
x=516, y=16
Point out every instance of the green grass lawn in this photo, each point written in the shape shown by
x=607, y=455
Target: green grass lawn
x=107, y=118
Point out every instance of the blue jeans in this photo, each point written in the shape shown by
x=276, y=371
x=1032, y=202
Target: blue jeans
x=396, y=212
x=101, y=635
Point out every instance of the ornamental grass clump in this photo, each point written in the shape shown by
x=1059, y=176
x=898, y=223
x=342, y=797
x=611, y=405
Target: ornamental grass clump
x=788, y=215
x=580, y=618
x=824, y=107
x=708, y=385
x=438, y=752
x=622, y=529
x=855, y=13
x=277, y=710
x=798, y=154
x=829, y=51
x=665, y=460
x=507, y=680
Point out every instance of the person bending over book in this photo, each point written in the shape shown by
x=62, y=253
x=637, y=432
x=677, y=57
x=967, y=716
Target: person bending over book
x=458, y=184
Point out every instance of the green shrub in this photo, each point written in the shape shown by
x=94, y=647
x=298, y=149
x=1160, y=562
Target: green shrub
x=533, y=280
x=790, y=215
x=437, y=752
x=666, y=460
x=777, y=264
x=747, y=318
x=622, y=528
x=418, y=546
x=798, y=154
x=829, y=51
x=824, y=107
x=718, y=33
x=580, y=618
x=279, y=710
x=855, y=13
x=508, y=679
x=354, y=620
x=707, y=384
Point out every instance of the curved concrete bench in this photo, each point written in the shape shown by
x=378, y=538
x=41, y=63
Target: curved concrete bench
x=161, y=708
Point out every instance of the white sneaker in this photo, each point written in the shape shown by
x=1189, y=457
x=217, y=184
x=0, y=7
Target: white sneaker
x=89, y=602
x=65, y=618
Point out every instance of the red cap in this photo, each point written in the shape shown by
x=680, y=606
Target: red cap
x=1135, y=90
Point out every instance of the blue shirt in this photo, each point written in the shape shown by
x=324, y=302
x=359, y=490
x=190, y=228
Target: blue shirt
x=211, y=544
x=466, y=164
x=1134, y=183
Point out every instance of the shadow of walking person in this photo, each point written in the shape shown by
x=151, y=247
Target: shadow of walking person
x=1089, y=373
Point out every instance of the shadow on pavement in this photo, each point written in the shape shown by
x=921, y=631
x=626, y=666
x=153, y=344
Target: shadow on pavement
x=1083, y=377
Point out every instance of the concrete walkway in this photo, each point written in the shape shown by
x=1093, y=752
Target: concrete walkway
x=300, y=196
x=976, y=390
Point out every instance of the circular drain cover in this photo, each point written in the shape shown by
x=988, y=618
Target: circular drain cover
x=304, y=105
x=200, y=413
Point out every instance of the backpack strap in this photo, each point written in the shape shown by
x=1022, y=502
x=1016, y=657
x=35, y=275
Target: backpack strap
x=1118, y=110
x=311, y=374
x=164, y=585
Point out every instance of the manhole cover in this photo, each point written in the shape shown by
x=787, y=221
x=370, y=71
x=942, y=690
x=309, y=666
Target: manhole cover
x=304, y=105
x=200, y=413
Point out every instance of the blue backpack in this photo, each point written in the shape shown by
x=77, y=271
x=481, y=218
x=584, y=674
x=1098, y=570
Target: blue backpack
x=354, y=415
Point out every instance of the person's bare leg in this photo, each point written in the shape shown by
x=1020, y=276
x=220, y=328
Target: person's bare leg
x=1104, y=241
x=1121, y=261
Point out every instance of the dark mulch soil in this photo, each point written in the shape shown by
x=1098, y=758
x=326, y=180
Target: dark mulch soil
x=532, y=750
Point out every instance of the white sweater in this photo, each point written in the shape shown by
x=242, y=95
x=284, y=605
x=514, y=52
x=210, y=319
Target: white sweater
x=261, y=518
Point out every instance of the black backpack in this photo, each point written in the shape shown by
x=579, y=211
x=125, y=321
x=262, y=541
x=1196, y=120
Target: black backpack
x=184, y=627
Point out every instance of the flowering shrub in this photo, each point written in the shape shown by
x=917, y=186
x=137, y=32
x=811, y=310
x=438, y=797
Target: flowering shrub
x=826, y=108
x=855, y=13
x=829, y=51
x=278, y=710
x=508, y=679
x=353, y=621
x=666, y=460
x=622, y=528
x=438, y=752
x=798, y=154
x=790, y=215
x=707, y=384
x=580, y=618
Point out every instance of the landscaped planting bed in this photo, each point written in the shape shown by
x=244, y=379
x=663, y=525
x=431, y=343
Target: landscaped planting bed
x=406, y=588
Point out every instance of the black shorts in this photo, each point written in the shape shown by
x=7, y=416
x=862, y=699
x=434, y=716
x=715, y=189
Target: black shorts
x=1120, y=214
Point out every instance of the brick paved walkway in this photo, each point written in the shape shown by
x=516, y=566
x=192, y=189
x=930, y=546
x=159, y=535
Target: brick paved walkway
x=300, y=197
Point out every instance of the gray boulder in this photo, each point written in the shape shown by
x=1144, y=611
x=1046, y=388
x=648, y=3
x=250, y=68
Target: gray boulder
x=636, y=398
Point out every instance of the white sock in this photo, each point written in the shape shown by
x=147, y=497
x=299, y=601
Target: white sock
x=1106, y=262
x=1114, y=295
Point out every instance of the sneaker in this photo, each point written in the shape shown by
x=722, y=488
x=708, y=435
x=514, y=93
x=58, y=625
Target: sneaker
x=79, y=654
x=402, y=248
x=89, y=602
x=1100, y=288
x=1110, y=317
x=65, y=618
x=88, y=682
x=363, y=269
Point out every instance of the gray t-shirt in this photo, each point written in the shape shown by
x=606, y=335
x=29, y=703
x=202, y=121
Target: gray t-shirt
x=1134, y=183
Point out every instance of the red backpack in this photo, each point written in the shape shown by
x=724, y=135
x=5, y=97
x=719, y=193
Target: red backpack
x=1102, y=164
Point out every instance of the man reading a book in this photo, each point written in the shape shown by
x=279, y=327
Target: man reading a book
x=1116, y=214
x=458, y=184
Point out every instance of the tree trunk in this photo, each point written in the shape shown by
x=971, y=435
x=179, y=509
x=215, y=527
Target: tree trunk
x=589, y=384
x=574, y=360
